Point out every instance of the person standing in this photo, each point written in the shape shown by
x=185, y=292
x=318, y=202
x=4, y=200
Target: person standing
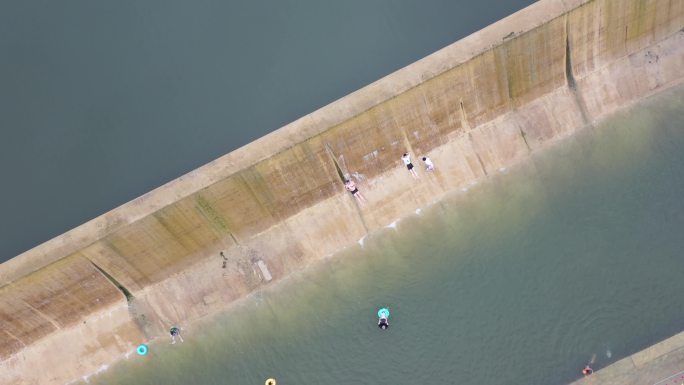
x=351, y=187
x=407, y=161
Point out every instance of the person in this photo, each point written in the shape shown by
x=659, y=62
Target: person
x=383, y=323
x=587, y=370
x=429, y=166
x=225, y=260
x=175, y=332
x=351, y=187
x=407, y=161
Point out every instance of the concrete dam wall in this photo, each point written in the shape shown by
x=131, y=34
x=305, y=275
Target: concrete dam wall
x=251, y=217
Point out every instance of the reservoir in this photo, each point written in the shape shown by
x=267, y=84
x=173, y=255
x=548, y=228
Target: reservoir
x=103, y=102
x=572, y=256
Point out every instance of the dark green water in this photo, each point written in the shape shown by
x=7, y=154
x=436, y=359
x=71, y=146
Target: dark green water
x=518, y=281
x=102, y=101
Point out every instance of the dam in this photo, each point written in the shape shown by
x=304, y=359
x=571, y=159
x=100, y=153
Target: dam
x=477, y=108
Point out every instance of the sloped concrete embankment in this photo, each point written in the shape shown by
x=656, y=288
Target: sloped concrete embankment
x=86, y=298
x=659, y=364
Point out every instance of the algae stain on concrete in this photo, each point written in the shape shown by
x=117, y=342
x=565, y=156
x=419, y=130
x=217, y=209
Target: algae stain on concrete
x=213, y=216
x=139, y=310
x=570, y=78
x=169, y=228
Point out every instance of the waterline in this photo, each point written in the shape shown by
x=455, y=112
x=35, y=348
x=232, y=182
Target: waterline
x=576, y=253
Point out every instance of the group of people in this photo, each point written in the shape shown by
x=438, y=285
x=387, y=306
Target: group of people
x=406, y=158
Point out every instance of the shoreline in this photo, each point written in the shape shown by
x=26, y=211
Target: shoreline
x=651, y=355
x=658, y=364
x=154, y=262
x=291, y=280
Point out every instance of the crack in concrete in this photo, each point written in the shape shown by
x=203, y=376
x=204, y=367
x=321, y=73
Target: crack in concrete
x=340, y=174
x=570, y=78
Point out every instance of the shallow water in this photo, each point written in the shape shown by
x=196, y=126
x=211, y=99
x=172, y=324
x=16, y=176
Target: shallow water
x=518, y=281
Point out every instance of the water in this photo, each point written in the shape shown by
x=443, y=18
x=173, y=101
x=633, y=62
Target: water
x=521, y=280
x=102, y=101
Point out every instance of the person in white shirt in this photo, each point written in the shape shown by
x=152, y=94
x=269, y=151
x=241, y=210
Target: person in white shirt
x=407, y=161
x=429, y=166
